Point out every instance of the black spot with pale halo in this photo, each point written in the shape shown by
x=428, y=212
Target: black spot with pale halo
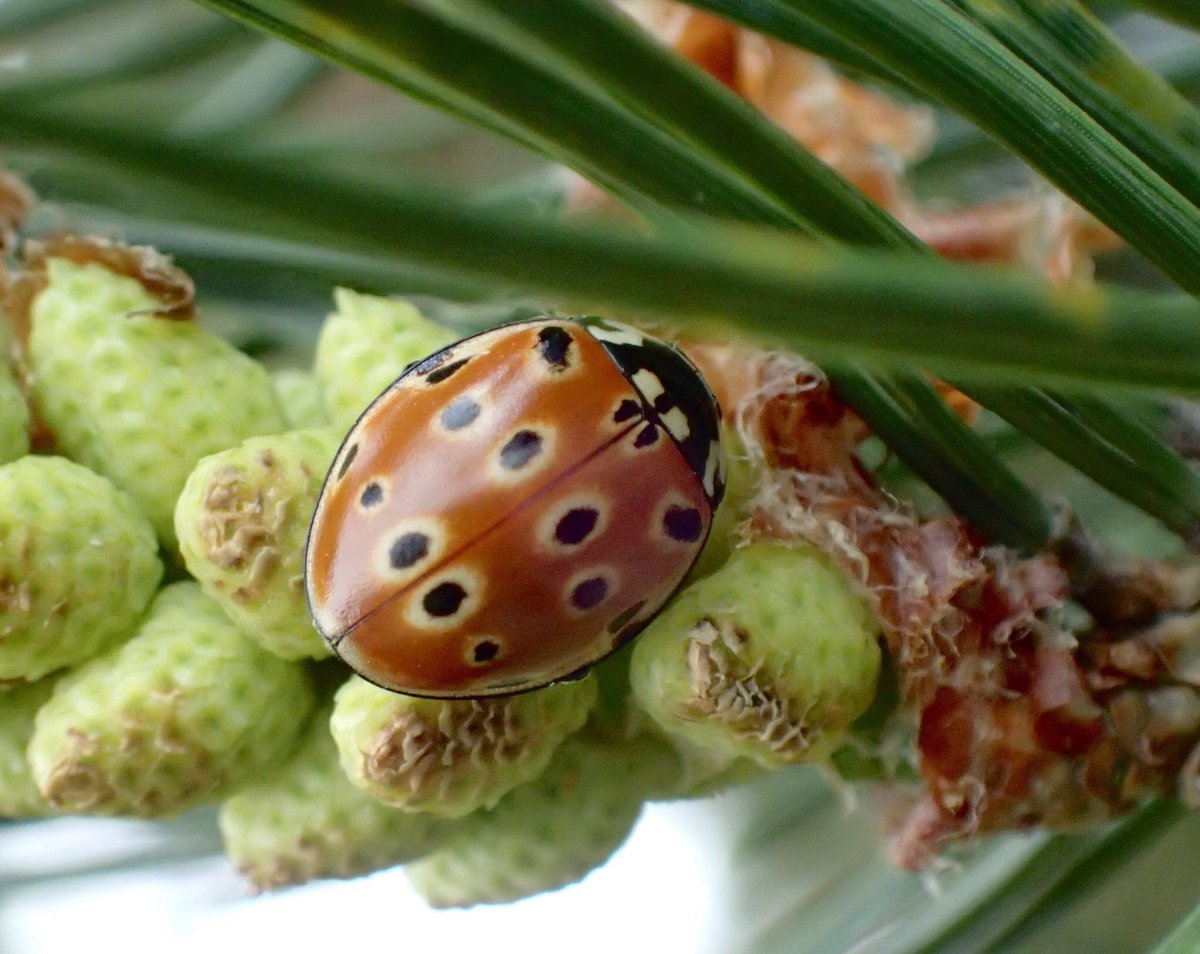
x=521, y=448
x=683, y=523
x=444, y=599
x=372, y=495
x=459, y=413
x=485, y=651
x=575, y=525
x=408, y=550
x=589, y=593
x=554, y=344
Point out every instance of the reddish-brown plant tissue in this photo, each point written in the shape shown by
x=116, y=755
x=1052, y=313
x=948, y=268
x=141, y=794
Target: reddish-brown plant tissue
x=1018, y=721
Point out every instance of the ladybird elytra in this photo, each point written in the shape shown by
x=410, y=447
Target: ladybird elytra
x=513, y=508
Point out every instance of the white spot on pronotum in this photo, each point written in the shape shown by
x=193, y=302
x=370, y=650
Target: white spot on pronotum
x=648, y=384
x=710, y=468
x=677, y=423
x=616, y=333
x=483, y=650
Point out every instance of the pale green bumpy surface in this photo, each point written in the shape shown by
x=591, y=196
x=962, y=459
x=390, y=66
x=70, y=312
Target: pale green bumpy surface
x=19, y=795
x=14, y=415
x=451, y=757
x=770, y=658
x=135, y=397
x=78, y=565
x=242, y=520
x=548, y=833
x=308, y=821
x=300, y=397
x=364, y=346
x=182, y=713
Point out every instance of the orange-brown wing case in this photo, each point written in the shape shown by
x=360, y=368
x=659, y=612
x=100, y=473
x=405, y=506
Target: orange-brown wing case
x=502, y=516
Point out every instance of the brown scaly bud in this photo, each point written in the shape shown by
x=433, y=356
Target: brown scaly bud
x=451, y=757
x=172, y=288
x=1124, y=592
x=1062, y=736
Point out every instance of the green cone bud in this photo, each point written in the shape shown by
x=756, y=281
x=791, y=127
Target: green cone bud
x=14, y=415
x=242, y=520
x=182, y=713
x=307, y=821
x=771, y=658
x=136, y=397
x=78, y=565
x=299, y=396
x=548, y=833
x=19, y=795
x=450, y=757
x=364, y=346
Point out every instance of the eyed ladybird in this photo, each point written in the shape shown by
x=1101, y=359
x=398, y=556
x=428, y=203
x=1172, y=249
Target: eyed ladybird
x=513, y=508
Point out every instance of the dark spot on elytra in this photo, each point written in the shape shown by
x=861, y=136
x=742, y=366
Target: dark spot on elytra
x=621, y=620
x=425, y=365
x=459, y=413
x=372, y=495
x=347, y=461
x=408, y=549
x=589, y=593
x=575, y=525
x=663, y=403
x=646, y=437
x=683, y=523
x=485, y=651
x=625, y=410
x=522, y=447
x=440, y=374
x=554, y=343
x=444, y=599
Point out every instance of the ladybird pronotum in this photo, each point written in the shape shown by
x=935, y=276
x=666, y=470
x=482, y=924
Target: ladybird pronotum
x=513, y=508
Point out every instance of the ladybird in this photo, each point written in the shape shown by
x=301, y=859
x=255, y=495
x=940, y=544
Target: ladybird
x=513, y=508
